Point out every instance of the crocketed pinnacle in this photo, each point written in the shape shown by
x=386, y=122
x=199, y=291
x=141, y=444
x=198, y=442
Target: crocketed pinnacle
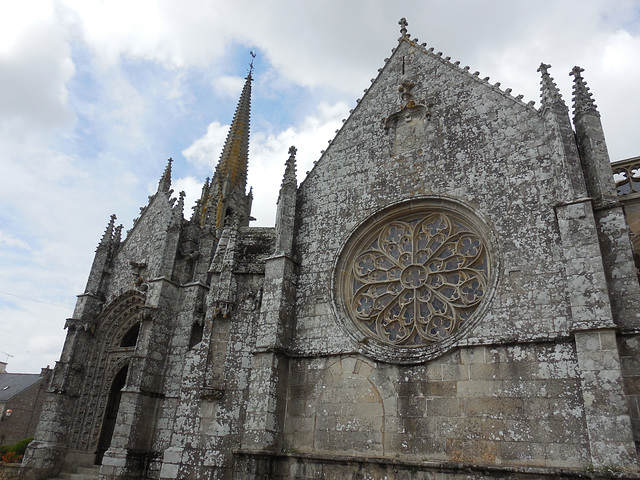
x=582, y=99
x=117, y=235
x=289, y=177
x=107, y=237
x=164, y=185
x=235, y=154
x=549, y=93
x=178, y=210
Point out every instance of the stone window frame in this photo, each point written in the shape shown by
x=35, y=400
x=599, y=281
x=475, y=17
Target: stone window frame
x=373, y=347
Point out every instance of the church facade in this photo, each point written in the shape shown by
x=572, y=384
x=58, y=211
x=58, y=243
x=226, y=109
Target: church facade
x=449, y=293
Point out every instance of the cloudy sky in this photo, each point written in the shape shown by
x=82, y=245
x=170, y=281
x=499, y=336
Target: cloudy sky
x=95, y=95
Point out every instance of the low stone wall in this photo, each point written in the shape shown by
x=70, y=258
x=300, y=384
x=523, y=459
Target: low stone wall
x=9, y=471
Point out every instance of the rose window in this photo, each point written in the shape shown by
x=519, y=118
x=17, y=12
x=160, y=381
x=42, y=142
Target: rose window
x=416, y=278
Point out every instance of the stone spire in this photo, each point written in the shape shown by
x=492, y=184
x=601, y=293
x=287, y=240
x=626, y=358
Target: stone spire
x=225, y=196
x=549, y=93
x=582, y=98
x=164, y=185
x=235, y=154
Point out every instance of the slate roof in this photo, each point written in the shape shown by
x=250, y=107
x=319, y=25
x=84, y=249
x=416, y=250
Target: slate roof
x=11, y=384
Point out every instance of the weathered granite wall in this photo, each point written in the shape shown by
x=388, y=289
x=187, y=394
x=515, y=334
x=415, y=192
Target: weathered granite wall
x=518, y=405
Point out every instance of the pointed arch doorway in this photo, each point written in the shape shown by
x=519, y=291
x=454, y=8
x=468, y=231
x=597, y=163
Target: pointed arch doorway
x=111, y=413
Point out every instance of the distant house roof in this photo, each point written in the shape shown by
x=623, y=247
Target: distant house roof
x=11, y=384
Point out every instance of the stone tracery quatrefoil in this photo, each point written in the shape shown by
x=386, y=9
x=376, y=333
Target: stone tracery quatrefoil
x=416, y=279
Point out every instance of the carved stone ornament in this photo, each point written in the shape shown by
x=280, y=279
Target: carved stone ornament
x=413, y=277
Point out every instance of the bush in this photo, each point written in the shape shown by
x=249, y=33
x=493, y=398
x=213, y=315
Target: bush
x=21, y=446
x=13, y=453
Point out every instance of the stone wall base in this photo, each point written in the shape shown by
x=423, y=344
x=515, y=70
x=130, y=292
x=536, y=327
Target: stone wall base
x=249, y=465
x=9, y=471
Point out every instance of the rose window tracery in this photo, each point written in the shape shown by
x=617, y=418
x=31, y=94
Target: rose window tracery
x=414, y=279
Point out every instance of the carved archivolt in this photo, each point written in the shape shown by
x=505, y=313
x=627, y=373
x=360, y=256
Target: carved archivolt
x=414, y=275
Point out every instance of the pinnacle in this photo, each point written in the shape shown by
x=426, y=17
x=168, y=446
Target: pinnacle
x=107, y=237
x=165, y=181
x=179, y=208
x=549, y=93
x=582, y=98
x=196, y=216
x=117, y=235
x=290, y=168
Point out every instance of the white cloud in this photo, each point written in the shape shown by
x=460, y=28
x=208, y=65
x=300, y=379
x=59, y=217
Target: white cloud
x=9, y=240
x=35, y=65
x=192, y=187
x=228, y=85
x=205, y=151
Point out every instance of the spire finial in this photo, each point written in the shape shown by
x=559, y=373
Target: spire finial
x=253, y=56
x=403, y=26
x=549, y=93
x=164, y=185
x=582, y=99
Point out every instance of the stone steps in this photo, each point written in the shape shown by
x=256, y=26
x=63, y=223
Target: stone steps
x=83, y=473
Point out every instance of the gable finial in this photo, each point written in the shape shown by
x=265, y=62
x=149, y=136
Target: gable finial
x=403, y=26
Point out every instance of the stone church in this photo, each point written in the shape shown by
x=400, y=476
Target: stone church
x=450, y=293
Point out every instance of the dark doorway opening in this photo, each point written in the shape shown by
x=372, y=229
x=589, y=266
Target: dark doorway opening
x=111, y=413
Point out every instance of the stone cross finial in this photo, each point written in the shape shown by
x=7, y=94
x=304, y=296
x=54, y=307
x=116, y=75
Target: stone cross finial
x=576, y=71
x=543, y=68
x=292, y=150
x=403, y=26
